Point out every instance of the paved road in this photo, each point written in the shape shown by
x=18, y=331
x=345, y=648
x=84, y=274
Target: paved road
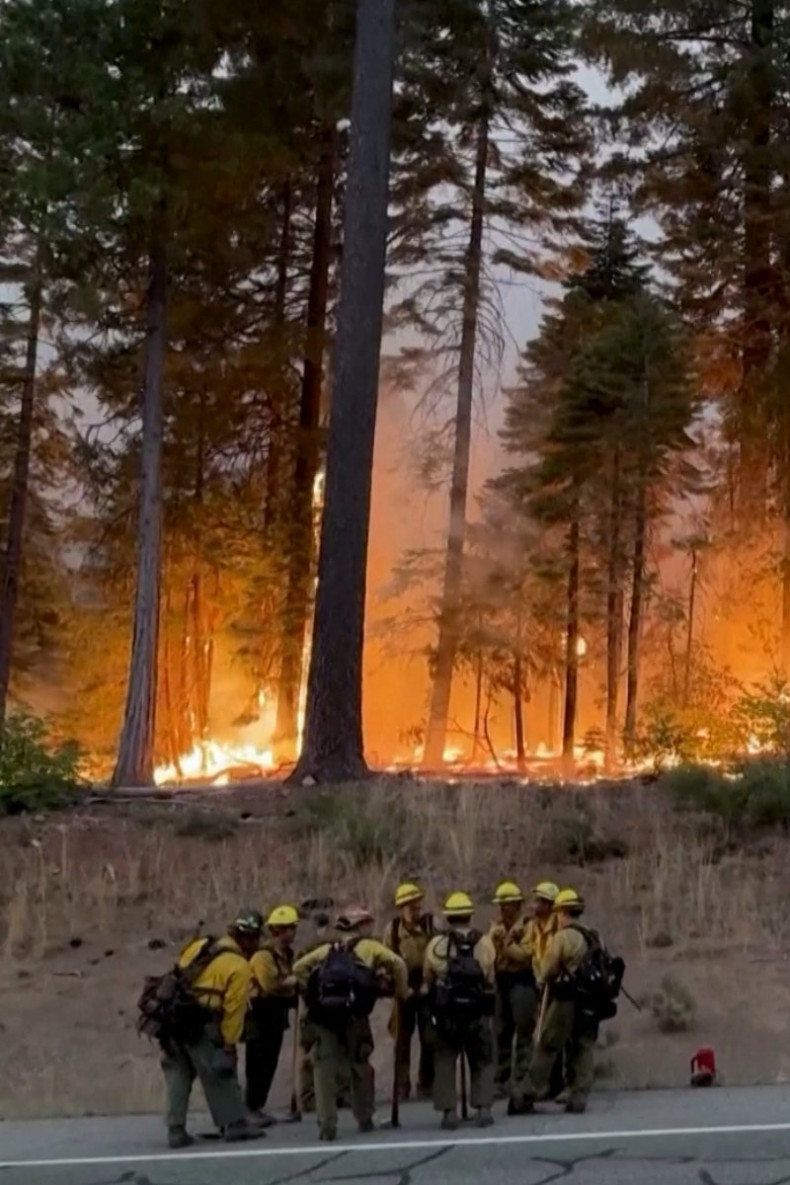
x=715, y=1137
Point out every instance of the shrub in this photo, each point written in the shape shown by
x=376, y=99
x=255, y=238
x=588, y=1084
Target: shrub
x=673, y=1006
x=35, y=775
x=755, y=795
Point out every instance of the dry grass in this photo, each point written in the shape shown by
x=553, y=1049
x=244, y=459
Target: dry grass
x=660, y=885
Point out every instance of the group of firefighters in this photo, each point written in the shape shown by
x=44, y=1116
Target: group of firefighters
x=508, y=1003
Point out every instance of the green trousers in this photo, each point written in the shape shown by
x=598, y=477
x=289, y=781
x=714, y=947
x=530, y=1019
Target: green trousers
x=476, y=1042
x=413, y=1016
x=565, y=1035
x=209, y=1062
x=308, y=1037
x=338, y=1054
x=514, y=1024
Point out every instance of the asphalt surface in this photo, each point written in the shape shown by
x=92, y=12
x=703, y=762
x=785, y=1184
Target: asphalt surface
x=706, y=1137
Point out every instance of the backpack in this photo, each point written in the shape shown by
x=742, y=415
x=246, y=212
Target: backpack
x=427, y=927
x=598, y=978
x=169, y=1009
x=341, y=988
x=462, y=995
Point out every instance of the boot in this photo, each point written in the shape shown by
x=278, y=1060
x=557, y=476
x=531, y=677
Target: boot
x=237, y=1133
x=327, y=1133
x=450, y=1121
x=519, y=1105
x=179, y=1137
x=484, y=1117
x=262, y=1119
x=576, y=1106
x=366, y=1126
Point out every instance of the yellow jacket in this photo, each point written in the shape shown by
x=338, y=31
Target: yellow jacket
x=566, y=950
x=436, y=957
x=369, y=951
x=412, y=944
x=270, y=966
x=224, y=986
x=537, y=936
x=513, y=950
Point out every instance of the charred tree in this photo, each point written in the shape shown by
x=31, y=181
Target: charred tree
x=298, y=596
x=572, y=635
x=333, y=745
x=614, y=614
x=20, y=481
x=135, y=763
x=449, y=623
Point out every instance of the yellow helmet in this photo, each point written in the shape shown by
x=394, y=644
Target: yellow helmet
x=283, y=915
x=546, y=890
x=406, y=893
x=569, y=899
x=458, y=905
x=508, y=893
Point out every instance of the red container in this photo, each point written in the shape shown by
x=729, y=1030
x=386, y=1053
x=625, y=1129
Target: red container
x=703, y=1067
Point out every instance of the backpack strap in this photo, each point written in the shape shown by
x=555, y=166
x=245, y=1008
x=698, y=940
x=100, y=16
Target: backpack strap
x=592, y=937
x=427, y=926
x=208, y=952
x=396, y=935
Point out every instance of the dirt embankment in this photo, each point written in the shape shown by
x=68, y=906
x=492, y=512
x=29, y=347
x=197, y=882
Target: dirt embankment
x=94, y=899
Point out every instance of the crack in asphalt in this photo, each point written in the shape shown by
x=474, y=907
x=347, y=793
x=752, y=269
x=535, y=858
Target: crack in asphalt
x=403, y=1174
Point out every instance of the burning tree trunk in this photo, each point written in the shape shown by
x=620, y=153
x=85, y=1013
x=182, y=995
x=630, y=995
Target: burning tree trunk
x=478, y=705
x=135, y=764
x=447, y=643
x=333, y=746
x=298, y=589
x=202, y=642
x=635, y=616
x=12, y=559
x=614, y=614
x=518, y=711
x=572, y=635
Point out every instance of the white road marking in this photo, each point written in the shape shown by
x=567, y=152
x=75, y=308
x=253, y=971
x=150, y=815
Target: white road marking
x=322, y=1150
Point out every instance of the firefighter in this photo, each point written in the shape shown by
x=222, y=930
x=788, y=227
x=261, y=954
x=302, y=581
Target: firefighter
x=564, y=1030
x=514, y=1018
x=340, y=983
x=408, y=935
x=273, y=996
x=459, y=978
x=222, y=988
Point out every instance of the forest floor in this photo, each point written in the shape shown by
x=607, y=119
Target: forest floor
x=94, y=899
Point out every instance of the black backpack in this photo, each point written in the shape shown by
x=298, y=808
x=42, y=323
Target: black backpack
x=341, y=988
x=462, y=995
x=598, y=978
x=169, y=1009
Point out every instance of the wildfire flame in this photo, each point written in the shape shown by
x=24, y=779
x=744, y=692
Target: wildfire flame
x=212, y=760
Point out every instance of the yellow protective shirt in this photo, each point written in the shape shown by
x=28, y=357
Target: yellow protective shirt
x=565, y=952
x=537, y=936
x=513, y=951
x=436, y=957
x=412, y=943
x=270, y=966
x=224, y=986
x=369, y=951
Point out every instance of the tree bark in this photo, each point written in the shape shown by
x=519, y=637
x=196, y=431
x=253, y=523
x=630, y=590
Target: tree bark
x=274, y=459
x=449, y=625
x=135, y=764
x=690, y=627
x=20, y=482
x=759, y=277
x=571, y=645
x=614, y=615
x=478, y=705
x=635, y=616
x=300, y=561
x=518, y=712
x=333, y=745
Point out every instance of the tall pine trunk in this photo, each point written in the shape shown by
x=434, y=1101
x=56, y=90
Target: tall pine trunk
x=277, y=425
x=20, y=482
x=571, y=643
x=333, y=745
x=449, y=624
x=614, y=614
x=135, y=764
x=692, y=605
x=298, y=594
x=758, y=271
x=635, y=616
x=518, y=711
